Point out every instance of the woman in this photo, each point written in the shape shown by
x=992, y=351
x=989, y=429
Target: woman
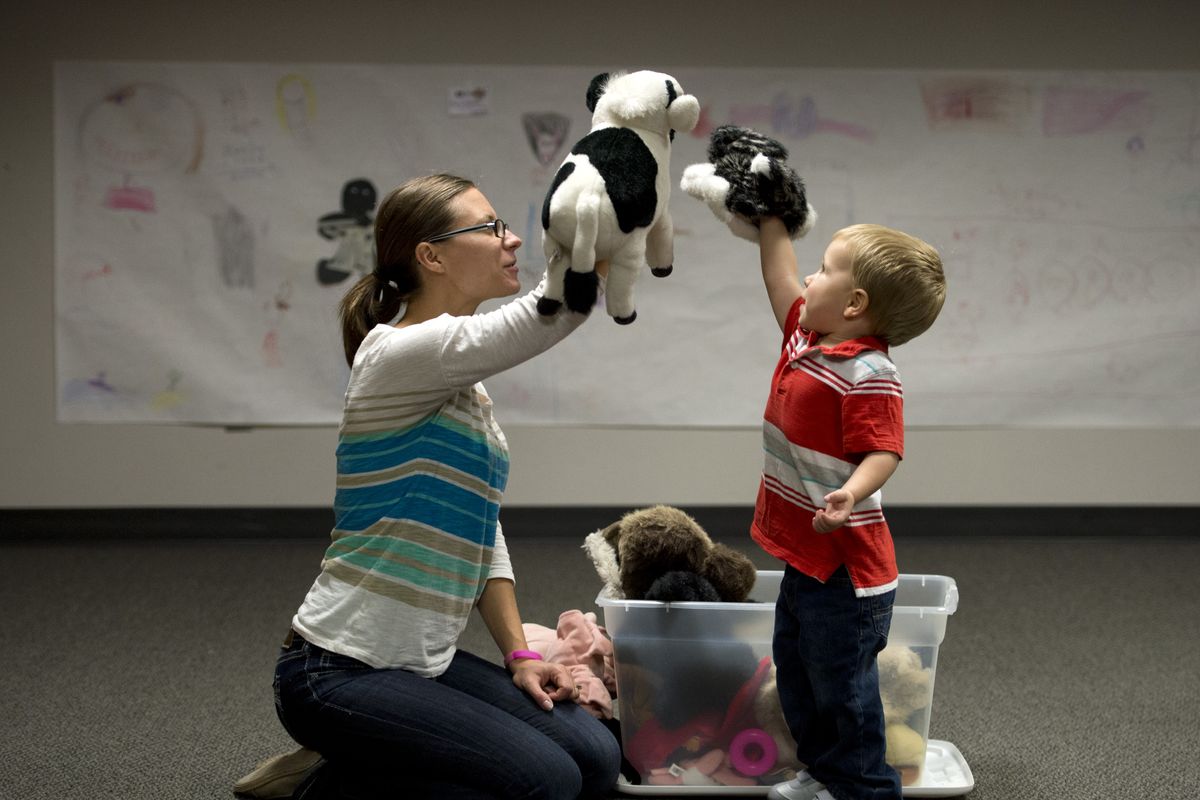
x=370, y=676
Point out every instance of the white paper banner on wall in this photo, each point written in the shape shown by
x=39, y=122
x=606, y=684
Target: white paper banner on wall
x=209, y=216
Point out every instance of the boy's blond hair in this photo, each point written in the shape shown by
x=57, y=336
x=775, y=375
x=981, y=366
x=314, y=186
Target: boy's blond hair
x=902, y=277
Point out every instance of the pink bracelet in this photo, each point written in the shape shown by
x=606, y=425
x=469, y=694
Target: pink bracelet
x=516, y=654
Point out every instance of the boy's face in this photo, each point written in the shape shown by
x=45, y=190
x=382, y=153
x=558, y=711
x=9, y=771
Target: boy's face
x=828, y=291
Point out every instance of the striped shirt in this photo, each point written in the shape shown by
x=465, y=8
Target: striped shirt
x=828, y=407
x=422, y=467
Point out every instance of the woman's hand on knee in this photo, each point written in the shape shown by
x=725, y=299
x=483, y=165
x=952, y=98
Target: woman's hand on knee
x=545, y=682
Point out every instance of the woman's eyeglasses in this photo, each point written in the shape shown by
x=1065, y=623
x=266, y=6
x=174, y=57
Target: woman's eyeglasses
x=497, y=226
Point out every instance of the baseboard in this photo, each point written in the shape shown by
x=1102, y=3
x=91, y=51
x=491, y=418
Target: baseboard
x=578, y=521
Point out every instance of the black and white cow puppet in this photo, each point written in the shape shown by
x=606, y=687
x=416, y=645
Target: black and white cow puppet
x=608, y=200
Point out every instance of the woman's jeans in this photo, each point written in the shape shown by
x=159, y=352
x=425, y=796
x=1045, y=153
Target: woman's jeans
x=825, y=647
x=469, y=732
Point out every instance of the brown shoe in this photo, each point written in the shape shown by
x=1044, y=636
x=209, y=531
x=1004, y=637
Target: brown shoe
x=279, y=775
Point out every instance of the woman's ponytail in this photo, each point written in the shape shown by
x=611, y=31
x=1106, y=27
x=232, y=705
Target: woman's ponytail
x=369, y=302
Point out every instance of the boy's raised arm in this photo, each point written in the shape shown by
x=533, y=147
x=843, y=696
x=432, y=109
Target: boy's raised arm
x=779, y=268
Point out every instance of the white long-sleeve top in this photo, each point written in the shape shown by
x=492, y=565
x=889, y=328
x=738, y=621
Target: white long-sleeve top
x=422, y=467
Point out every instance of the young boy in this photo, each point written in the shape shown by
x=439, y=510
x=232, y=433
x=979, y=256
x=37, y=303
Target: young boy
x=833, y=434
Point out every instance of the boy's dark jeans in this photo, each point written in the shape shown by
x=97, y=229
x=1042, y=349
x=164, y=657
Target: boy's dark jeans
x=825, y=647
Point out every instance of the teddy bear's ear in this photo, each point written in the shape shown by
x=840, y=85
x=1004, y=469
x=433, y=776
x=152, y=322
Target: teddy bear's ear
x=731, y=573
x=612, y=535
x=595, y=89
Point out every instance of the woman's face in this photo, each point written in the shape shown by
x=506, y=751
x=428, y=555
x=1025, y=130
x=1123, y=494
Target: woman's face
x=477, y=263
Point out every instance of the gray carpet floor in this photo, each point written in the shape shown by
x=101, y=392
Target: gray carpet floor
x=141, y=669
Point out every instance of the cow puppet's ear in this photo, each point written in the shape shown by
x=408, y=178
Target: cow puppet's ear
x=595, y=89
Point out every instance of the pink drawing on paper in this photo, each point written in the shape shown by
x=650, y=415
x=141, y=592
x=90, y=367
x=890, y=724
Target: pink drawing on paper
x=784, y=116
x=546, y=133
x=957, y=101
x=799, y=119
x=1074, y=111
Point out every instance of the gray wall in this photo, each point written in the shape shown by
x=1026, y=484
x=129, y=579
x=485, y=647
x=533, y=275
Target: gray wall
x=50, y=465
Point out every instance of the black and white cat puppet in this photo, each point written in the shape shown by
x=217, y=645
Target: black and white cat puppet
x=747, y=178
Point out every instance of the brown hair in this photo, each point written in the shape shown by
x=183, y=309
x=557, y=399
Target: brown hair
x=410, y=214
x=902, y=276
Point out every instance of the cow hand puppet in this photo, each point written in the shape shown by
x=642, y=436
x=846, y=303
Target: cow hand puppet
x=608, y=200
x=747, y=178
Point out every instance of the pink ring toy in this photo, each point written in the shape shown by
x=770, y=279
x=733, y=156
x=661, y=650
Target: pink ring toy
x=752, y=752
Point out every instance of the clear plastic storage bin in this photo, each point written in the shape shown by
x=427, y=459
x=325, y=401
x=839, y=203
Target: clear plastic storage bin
x=695, y=686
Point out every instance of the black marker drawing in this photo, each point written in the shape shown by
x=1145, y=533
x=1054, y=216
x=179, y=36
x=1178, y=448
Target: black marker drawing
x=353, y=229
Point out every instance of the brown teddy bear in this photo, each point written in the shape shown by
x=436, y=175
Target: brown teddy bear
x=661, y=553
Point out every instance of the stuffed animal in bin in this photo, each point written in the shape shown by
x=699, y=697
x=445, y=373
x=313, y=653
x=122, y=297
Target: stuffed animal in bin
x=661, y=553
x=769, y=716
x=738, y=739
x=608, y=200
x=721, y=744
x=905, y=687
x=747, y=178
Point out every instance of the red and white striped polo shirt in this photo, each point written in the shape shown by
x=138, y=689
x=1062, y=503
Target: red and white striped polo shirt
x=829, y=406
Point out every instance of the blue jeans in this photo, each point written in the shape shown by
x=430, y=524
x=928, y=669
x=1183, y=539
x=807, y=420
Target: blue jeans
x=469, y=732
x=825, y=647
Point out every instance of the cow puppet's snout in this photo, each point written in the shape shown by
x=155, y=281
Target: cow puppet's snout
x=684, y=113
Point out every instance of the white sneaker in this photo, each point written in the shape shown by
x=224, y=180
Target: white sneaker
x=802, y=787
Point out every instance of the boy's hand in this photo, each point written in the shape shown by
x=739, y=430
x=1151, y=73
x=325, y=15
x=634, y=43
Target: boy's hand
x=868, y=477
x=834, y=515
